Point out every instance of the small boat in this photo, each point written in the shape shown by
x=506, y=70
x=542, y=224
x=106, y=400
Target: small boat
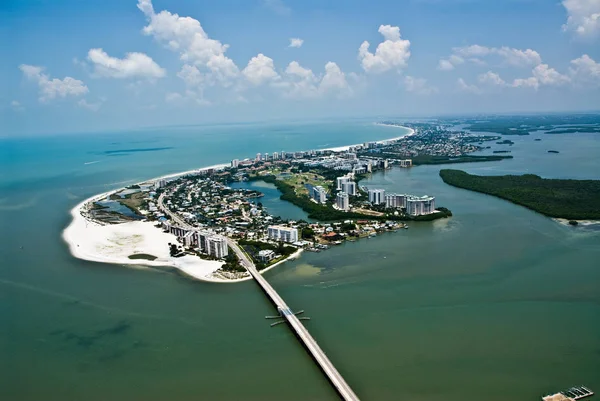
x=406, y=227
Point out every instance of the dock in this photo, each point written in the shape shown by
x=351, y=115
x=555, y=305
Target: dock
x=572, y=394
x=334, y=377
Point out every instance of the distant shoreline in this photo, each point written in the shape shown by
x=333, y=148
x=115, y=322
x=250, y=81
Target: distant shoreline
x=113, y=243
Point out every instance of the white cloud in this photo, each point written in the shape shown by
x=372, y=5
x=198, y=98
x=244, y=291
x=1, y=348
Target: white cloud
x=296, y=42
x=549, y=76
x=530, y=82
x=260, y=69
x=186, y=36
x=334, y=80
x=188, y=96
x=134, y=65
x=394, y=52
x=277, y=6
x=465, y=87
x=491, y=78
x=90, y=106
x=476, y=53
x=585, y=70
x=583, y=17
x=418, y=86
x=191, y=75
x=53, y=88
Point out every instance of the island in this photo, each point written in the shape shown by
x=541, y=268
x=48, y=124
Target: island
x=203, y=222
x=564, y=199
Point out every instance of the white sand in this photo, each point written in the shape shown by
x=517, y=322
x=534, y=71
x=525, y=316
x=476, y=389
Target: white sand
x=345, y=148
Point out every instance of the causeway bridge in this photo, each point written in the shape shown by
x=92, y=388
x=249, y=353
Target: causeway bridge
x=302, y=333
x=284, y=310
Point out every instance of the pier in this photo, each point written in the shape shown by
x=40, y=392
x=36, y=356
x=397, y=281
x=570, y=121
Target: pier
x=301, y=332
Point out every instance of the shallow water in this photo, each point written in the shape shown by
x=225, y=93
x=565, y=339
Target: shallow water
x=496, y=302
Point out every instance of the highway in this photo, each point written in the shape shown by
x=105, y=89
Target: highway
x=317, y=353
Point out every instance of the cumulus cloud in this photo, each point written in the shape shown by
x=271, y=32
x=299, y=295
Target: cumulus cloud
x=133, y=65
x=191, y=75
x=186, y=36
x=394, y=52
x=296, y=42
x=260, y=69
x=418, y=86
x=465, y=87
x=477, y=54
x=491, y=78
x=530, y=82
x=334, y=80
x=53, y=88
x=542, y=75
x=300, y=82
x=583, y=17
x=585, y=70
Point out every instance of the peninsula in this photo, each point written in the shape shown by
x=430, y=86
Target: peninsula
x=566, y=199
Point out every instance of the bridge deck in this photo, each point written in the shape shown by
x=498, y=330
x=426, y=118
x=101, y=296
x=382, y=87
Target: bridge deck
x=311, y=344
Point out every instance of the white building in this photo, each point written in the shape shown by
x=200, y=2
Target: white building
x=235, y=163
x=258, y=157
x=376, y=196
x=275, y=156
x=418, y=206
x=342, y=201
x=266, y=255
x=349, y=188
x=341, y=180
x=395, y=201
x=405, y=163
x=319, y=194
x=281, y=233
x=160, y=183
x=216, y=246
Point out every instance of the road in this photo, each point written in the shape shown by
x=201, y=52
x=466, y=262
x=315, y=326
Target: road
x=317, y=353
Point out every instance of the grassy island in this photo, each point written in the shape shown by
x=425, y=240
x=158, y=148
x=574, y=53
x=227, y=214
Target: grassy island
x=568, y=199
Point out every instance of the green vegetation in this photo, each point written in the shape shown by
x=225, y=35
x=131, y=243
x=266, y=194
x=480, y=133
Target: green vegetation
x=134, y=186
x=427, y=159
x=142, y=256
x=523, y=125
x=252, y=248
x=132, y=201
x=569, y=199
x=232, y=262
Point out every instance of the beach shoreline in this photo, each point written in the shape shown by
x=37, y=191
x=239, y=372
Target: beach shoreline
x=114, y=243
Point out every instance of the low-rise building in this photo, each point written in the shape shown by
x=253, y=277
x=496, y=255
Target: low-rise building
x=266, y=255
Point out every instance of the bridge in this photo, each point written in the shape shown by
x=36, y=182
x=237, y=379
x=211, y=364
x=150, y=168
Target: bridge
x=309, y=342
x=284, y=310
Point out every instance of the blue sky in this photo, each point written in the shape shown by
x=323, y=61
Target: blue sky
x=82, y=66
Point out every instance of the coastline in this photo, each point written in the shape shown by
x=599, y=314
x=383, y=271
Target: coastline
x=113, y=243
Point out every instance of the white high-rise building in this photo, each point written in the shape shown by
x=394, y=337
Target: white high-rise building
x=418, y=206
x=235, y=163
x=376, y=196
x=319, y=194
x=258, y=157
x=281, y=233
x=275, y=156
x=216, y=246
x=395, y=201
x=342, y=201
x=349, y=188
x=341, y=180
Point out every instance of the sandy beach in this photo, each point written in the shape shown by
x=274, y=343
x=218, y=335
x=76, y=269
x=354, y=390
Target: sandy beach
x=344, y=148
x=115, y=243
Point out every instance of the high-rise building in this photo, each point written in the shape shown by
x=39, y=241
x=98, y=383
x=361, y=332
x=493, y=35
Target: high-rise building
x=341, y=180
x=281, y=233
x=395, y=201
x=235, y=163
x=349, y=187
x=275, y=156
x=216, y=245
x=342, y=201
x=258, y=157
x=319, y=194
x=418, y=206
x=369, y=167
x=376, y=196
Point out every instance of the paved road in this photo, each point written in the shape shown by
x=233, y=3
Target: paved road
x=311, y=344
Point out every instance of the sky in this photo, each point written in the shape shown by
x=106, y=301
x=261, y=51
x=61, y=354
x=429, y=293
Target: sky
x=101, y=65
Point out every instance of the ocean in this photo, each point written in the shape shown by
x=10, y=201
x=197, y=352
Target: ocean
x=496, y=302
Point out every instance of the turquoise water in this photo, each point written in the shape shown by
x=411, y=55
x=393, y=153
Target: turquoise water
x=497, y=302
